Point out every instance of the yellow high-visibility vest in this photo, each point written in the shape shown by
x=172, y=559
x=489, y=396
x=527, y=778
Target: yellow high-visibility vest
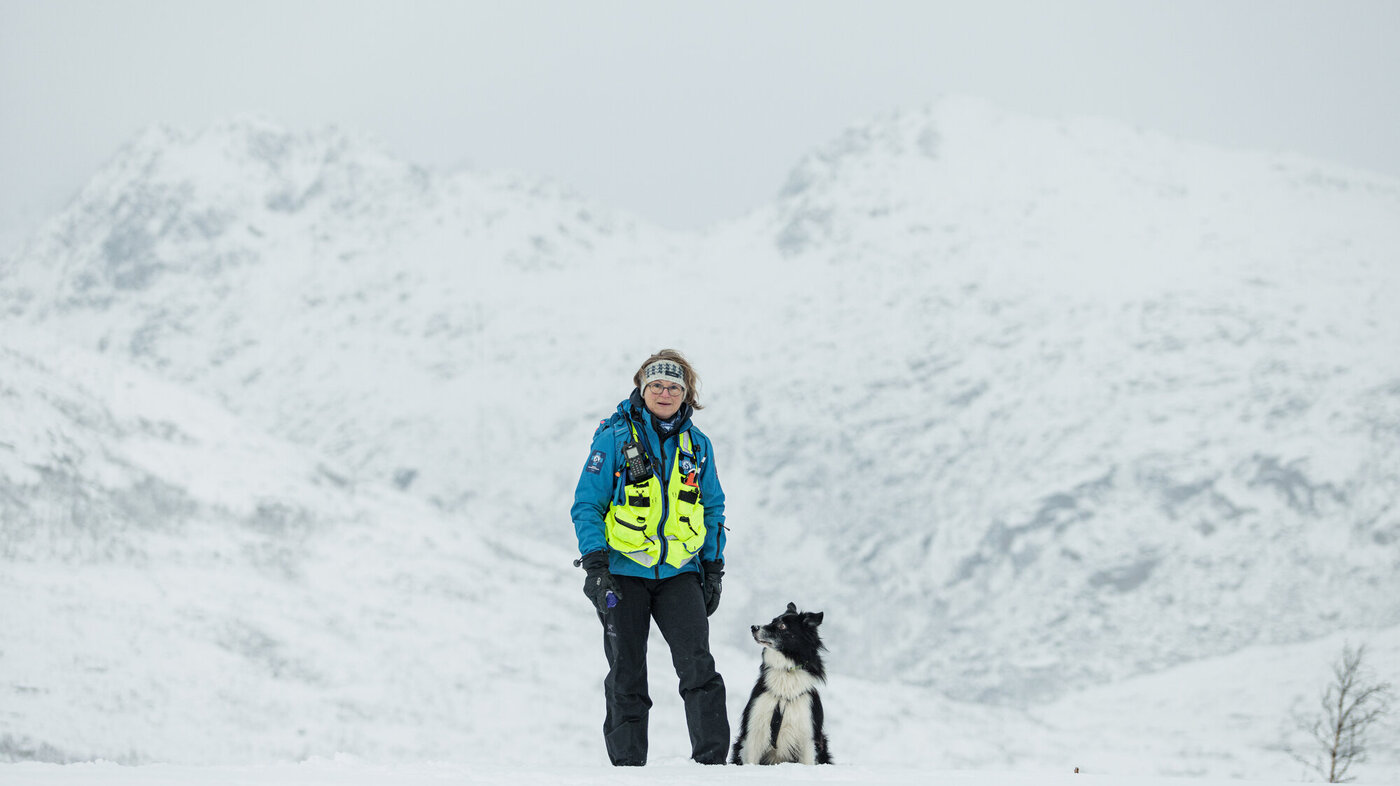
x=650, y=527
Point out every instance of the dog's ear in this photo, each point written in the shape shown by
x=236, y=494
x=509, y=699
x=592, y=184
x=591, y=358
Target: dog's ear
x=813, y=618
x=792, y=608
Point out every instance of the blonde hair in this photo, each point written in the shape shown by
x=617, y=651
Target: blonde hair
x=692, y=380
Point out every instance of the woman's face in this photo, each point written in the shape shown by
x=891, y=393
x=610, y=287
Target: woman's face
x=663, y=399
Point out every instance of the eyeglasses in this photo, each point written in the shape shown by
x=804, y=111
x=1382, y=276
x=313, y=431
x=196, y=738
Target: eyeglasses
x=658, y=388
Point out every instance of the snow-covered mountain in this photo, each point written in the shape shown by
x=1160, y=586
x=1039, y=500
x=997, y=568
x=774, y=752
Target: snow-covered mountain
x=178, y=586
x=1071, y=400
x=338, y=297
x=1027, y=406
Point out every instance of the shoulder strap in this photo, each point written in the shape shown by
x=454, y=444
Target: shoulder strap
x=624, y=430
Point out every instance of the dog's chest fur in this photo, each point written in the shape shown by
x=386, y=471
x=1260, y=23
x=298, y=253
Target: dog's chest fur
x=786, y=698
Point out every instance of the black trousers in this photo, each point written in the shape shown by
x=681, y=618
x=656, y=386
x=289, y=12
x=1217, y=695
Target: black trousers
x=678, y=606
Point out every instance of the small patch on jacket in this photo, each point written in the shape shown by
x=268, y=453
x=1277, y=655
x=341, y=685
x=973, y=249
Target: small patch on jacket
x=595, y=462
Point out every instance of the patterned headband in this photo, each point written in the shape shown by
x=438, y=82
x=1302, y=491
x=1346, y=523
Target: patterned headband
x=664, y=370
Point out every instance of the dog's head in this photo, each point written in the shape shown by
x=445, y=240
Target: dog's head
x=790, y=631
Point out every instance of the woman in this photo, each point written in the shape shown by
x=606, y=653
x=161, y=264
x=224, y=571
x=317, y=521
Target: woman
x=649, y=514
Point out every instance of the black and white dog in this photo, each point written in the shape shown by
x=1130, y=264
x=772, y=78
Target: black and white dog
x=783, y=719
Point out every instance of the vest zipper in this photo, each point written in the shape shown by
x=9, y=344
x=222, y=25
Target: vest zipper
x=663, y=476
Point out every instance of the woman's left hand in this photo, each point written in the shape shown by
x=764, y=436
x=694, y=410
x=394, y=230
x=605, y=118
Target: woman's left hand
x=714, y=572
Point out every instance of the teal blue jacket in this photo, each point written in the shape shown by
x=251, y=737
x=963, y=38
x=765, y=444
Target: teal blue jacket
x=598, y=485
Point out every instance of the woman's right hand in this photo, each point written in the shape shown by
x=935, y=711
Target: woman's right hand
x=599, y=585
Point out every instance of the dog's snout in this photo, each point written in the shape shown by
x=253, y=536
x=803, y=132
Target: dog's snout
x=753, y=628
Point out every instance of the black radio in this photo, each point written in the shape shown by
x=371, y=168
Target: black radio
x=638, y=464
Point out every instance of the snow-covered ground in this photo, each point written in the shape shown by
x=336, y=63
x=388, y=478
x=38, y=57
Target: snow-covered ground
x=276, y=615
x=683, y=773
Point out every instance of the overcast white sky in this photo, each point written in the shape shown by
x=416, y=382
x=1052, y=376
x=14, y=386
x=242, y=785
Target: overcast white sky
x=682, y=112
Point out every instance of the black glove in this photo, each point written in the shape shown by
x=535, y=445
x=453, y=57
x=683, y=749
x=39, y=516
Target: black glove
x=714, y=571
x=599, y=583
